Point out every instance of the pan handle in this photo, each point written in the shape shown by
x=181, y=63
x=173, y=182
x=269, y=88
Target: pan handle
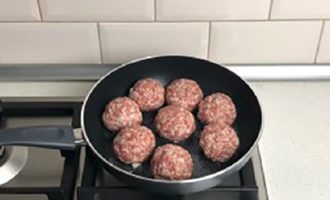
x=53, y=137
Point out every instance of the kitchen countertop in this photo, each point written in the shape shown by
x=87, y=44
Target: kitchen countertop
x=296, y=138
x=295, y=144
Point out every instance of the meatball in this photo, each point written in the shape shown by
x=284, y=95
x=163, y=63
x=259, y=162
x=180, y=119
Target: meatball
x=148, y=93
x=133, y=145
x=185, y=93
x=217, y=107
x=171, y=162
x=175, y=123
x=218, y=141
x=121, y=112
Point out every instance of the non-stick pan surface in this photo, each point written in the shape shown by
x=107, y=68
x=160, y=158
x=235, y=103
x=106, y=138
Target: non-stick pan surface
x=211, y=77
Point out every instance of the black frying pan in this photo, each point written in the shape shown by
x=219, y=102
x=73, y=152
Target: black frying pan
x=211, y=77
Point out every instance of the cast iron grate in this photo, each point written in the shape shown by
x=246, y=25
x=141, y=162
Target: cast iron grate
x=240, y=186
x=66, y=189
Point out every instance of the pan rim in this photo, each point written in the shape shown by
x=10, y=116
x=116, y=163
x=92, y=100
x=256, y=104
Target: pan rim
x=229, y=168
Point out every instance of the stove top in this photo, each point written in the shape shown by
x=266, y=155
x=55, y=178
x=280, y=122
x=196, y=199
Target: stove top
x=37, y=173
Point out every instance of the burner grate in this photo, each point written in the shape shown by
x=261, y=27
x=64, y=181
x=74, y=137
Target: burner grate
x=66, y=189
x=2, y=152
x=241, y=186
x=63, y=192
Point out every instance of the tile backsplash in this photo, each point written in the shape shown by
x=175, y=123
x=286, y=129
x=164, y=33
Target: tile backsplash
x=19, y=10
x=265, y=42
x=121, y=42
x=49, y=43
x=112, y=31
x=186, y=10
x=97, y=10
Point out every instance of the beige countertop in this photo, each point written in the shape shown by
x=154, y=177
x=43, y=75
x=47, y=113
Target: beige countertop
x=295, y=144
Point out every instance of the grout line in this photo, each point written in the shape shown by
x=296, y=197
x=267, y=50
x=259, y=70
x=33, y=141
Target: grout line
x=270, y=9
x=209, y=41
x=295, y=20
x=40, y=13
x=100, y=42
x=187, y=21
x=155, y=10
x=319, y=42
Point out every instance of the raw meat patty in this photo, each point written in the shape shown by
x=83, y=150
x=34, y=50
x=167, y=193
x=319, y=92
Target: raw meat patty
x=175, y=123
x=171, y=162
x=134, y=144
x=185, y=93
x=148, y=93
x=218, y=141
x=121, y=112
x=217, y=107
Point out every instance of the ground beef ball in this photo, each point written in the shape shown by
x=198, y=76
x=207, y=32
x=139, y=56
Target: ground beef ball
x=185, y=93
x=175, y=123
x=217, y=107
x=148, y=93
x=171, y=162
x=219, y=142
x=134, y=144
x=121, y=112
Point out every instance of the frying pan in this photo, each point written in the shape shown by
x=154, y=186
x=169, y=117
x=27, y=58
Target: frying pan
x=210, y=76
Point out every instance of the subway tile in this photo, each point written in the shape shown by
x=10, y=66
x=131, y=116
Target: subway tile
x=49, y=43
x=122, y=42
x=264, y=42
x=300, y=9
x=324, y=51
x=19, y=10
x=211, y=9
x=97, y=10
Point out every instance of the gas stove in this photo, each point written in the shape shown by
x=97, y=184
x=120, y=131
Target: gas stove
x=37, y=173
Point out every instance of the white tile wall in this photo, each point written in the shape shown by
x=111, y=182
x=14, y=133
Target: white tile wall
x=122, y=42
x=19, y=10
x=242, y=31
x=97, y=10
x=49, y=43
x=212, y=9
x=300, y=9
x=264, y=42
x=324, y=51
